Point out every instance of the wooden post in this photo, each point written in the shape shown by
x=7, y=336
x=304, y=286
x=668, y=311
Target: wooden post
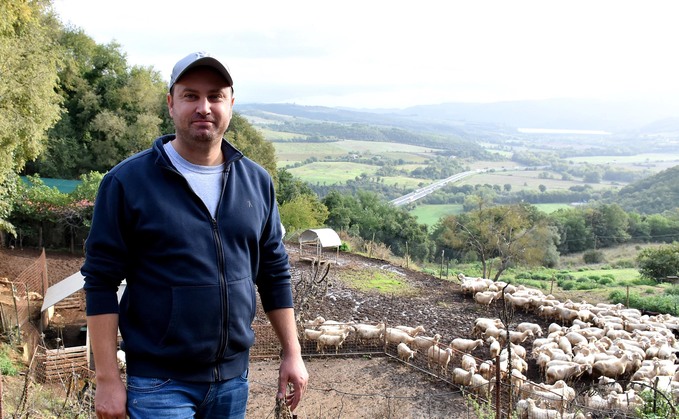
x=498, y=384
x=551, y=287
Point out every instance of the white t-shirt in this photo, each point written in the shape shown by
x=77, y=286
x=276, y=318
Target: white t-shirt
x=206, y=181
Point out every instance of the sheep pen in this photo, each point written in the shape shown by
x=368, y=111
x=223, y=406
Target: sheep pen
x=368, y=385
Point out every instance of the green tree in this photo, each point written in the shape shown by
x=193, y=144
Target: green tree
x=252, y=143
x=303, y=211
x=659, y=263
x=112, y=110
x=510, y=234
x=29, y=104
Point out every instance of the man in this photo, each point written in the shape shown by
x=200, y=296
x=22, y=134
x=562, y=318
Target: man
x=193, y=227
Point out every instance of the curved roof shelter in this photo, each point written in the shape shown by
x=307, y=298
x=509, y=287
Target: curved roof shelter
x=313, y=241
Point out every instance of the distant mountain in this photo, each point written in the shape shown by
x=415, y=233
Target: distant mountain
x=461, y=118
x=576, y=114
x=652, y=195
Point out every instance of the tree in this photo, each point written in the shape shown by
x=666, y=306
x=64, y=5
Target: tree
x=511, y=234
x=112, y=110
x=542, y=188
x=252, y=143
x=303, y=211
x=29, y=104
x=659, y=263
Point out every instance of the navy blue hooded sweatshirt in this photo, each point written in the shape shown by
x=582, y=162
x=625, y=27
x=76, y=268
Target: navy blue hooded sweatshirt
x=190, y=301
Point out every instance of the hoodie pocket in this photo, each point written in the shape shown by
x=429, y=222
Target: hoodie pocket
x=195, y=324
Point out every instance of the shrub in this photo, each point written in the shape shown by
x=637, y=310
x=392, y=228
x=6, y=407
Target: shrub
x=593, y=256
x=604, y=280
x=345, y=247
x=7, y=365
x=586, y=286
x=624, y=264
x=567, y=285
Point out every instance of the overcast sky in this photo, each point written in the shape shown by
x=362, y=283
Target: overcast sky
x=394, y=53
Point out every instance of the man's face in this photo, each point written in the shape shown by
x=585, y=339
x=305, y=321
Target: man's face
x=200, y=106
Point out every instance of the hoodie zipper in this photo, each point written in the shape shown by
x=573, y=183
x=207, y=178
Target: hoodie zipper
x=224, y=334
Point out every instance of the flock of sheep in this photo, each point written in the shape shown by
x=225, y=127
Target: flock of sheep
x=602, y=342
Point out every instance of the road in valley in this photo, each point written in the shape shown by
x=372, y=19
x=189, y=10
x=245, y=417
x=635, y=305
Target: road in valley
x=426, y=190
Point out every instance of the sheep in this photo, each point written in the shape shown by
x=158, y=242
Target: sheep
x=614, y=368
x=531, y=410
x=329, y=340
x=468, y=362
x=422, y=343
x=466, y=345
x=462, y=377
x=397, y=336
x=483, y=323
x=412, y=331
x=404, y=352
x=555, y=373
x=369, y=332
x=336, y=331
x=533, y=327
x=486, y=369
x=440, y=356
x=311, y=334
x=480, y=385
x=484, y=297
x=494, y=347
x=120, y=356
x=315, y=322
x=517, y=337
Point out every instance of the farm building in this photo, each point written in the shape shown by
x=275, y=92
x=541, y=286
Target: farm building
x=313, y=243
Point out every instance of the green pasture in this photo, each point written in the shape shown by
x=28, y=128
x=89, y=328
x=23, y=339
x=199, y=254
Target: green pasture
x=529, y=180
x=331, y=173
x=430, y=214
x=274, y=136
x=550, y=208
x=620, y=160
x=300, y=150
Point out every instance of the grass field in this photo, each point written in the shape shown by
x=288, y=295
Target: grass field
x=300, y=151
x=529, y=180
x=550, y=208
x=332, y=173
x=639, y=158
x=430, y=214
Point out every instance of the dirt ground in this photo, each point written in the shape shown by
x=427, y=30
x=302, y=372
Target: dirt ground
x=354, y=386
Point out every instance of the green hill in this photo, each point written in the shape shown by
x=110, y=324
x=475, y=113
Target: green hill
x=653, y=194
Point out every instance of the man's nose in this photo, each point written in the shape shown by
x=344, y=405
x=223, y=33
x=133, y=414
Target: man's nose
x=203, y=106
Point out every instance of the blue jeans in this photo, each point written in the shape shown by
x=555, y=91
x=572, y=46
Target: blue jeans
x=149, y=398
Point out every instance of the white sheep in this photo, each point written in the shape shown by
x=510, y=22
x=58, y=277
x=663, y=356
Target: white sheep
x=329, y=340
x=404, y=352
x=533, y=327
x=468, y=362
x=440, y=356
x=369, y=332
x=462, y=377
x=422, y=343
x=555, y=373
x=312, y=334
x=466, y=345
x=397, y=336
x=480, y=385
x=315, y=322
x=484, y=297
x=412, y=331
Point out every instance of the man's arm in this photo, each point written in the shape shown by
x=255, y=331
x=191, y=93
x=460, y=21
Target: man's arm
x=111, y=395
x=292, y=368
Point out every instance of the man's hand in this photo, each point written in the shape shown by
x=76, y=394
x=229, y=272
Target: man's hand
x=110, y=399
x=292, y=371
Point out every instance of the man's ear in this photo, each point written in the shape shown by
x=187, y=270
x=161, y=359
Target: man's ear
x=169, y=103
